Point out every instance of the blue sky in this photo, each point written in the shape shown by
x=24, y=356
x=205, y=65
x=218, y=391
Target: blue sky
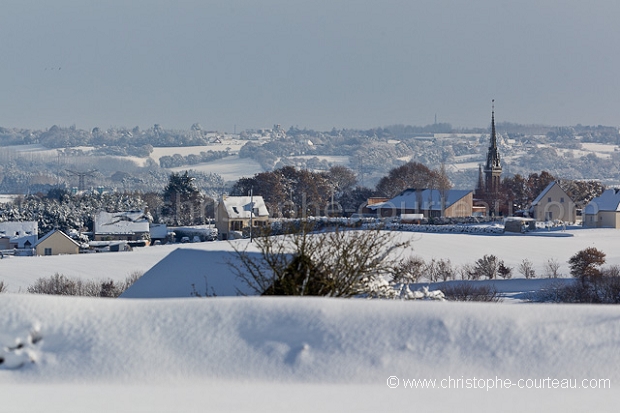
x=316, y=64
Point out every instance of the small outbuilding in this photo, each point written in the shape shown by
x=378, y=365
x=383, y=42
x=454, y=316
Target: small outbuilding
x=519, y=224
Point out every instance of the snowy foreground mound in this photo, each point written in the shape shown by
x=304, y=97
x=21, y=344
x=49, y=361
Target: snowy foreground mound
x=270, y=353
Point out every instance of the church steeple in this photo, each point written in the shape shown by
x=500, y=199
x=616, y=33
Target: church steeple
x=493, y=167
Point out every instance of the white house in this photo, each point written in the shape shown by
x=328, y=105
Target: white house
x=21, y=235
x=234, y=213
x=603, y=211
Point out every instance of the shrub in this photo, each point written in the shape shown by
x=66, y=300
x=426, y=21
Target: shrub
x=445, y=270
x=339, y=263
x=552, y=268
x=408, y=271
x=59, y=284
x=526, y=268
x=504, y=271
x=597, y=290
x=439, y=270
x=488, y=266
x=2, y=287
x=431, y=270
x=586, y=263
x=468, y=291
x=468, y=272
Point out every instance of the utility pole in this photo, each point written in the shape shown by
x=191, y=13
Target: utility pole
x=251, y=210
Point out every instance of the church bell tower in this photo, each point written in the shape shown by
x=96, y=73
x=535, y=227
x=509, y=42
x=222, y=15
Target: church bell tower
x=493, y=167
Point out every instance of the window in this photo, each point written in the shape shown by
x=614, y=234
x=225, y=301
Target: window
x=549, y=199
x=562, y=200
x=48, y=251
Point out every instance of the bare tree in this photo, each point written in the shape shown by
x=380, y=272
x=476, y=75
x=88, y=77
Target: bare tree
x=526, y=268
x=335, y=264
x=552, y=268
x=467, y=272
x=409, y=271
x=445, y=270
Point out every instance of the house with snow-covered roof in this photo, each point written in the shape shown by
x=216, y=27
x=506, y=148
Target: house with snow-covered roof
x=20, y=235
x=552, y=204
x=234, y=214
x=429, y=202
x=125, y=226
x=603, y=211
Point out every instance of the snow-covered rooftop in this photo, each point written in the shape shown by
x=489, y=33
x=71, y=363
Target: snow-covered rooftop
x=121, y=222
x=430, y=199
x=22, y=228
x=543, y=193
x=608, y=201
x=240, y=207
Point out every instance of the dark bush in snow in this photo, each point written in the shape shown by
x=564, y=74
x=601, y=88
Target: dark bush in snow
x=334, y=263
x=596, y=290
x=469, y=291
x=488, y=266
x=585, y=264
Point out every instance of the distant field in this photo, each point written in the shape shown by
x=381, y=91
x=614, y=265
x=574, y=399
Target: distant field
x=234, y=146
x=230, y=168
x=336, y=160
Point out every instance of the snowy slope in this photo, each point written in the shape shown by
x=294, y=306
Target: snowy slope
x=207, y=266
x=277, y=354
x=20, y=272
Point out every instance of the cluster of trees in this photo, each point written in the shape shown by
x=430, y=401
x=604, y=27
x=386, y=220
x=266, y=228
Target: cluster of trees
x=181, y=202
x=292, y=192
x=518, y=192
x=58, y=209
x=177, y=160
x=61, y=137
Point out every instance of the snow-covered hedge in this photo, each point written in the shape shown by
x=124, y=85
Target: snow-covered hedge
x=451, y=229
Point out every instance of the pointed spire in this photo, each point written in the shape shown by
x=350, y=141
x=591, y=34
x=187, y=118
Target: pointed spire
x=493, y=135
x=493, y=157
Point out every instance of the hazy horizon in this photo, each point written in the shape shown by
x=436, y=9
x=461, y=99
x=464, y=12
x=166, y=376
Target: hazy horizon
x=322, y=64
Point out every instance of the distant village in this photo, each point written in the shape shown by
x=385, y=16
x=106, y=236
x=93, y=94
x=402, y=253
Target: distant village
x=411, y=194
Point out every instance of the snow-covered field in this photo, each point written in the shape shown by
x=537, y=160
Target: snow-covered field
x=230, y=168
x=287, y=354
x=20, y=272
x=312, y=354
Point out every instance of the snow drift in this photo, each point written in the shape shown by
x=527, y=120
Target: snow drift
x=303, y=340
